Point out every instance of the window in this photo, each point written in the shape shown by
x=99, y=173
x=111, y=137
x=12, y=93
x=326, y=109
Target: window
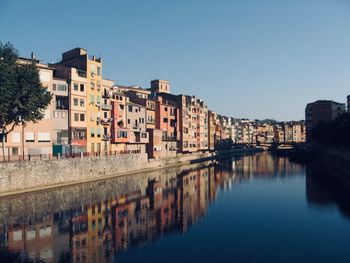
x=3, y=137
x=43, y=137
x=121, y=107
x=99, y=71
x=105, y=115
x=92, y=132
x=144, y=135
x=130, y=108
x=29, y=137
x=128, y=121
x=76, y=87
x=82, y=87
x=82, y=117
x=75, y=102
x=61, y=87
x=166, y=109
x=82, y=102
x=93, y=69
x=92, y=98
x=53, y=86
x=98, y=99
x=14, y=150
x=56, y=114
x=165, y=120
x=136, y=124
x=98, y=132
x=16, y=137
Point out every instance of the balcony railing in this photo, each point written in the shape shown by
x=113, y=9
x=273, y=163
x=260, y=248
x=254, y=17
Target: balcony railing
x=106, y=107
x=106, y=121
x=153, y=121
x=169, y=138
x=106, y=137
x=35, y=157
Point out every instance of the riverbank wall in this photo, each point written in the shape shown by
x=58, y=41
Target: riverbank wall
x=18, y=178
x=43, y=174
x=337, y=161
x=33, y=206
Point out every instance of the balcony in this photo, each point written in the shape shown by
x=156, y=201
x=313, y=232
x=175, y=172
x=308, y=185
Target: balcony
x=106, y=95
x=106, y=137
x=152, y=121
x=168, y=138
x=106, y=107
x=106, y=121
x=81, y=73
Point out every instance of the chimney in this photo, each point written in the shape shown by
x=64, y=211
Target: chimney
x=32, y=56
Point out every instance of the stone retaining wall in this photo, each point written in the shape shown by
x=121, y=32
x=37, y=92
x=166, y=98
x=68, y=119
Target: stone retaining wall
x=33, y=175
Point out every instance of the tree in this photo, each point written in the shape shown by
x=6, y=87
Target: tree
x=23, y=99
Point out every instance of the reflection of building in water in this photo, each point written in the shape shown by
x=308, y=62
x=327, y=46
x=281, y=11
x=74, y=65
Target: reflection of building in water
x=42, y=240
x=326, y=187
x=168, y=203
x=264, y=165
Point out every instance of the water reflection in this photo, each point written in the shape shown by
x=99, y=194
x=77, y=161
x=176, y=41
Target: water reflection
x=327, y=188
x=97, y=221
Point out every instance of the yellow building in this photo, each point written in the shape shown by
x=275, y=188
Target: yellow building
x=91, y=67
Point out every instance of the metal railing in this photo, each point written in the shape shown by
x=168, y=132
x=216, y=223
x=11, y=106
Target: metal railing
x=36, y=157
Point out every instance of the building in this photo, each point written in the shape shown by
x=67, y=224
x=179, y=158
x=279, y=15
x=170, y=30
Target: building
x=202, y=125
x=105, y=118
x=348, y=103
x=77, y=85
x=321, y=111
x=35, y=139
x=211, y=130
x=91, y=70
x=60, y=113
x=136, y=125
x=120, y=134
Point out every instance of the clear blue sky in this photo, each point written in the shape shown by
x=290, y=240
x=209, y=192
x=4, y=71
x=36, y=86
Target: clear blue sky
x=255, y=59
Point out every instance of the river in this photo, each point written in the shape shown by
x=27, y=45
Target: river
x=254, y=208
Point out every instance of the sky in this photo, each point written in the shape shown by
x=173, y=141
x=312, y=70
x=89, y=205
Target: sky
x=246, y=59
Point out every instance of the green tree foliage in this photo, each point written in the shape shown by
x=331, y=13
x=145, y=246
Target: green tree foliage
x=335, y=133
x=23, y=99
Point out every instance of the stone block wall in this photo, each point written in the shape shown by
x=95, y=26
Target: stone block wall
x=29, y=176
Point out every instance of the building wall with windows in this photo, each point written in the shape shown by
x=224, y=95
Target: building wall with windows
x=33, y=138
x=60, y=111
x=321, y=110
x=120, y=134
x=136, y=125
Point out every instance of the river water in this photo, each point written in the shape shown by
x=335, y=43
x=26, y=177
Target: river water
x=255, y=208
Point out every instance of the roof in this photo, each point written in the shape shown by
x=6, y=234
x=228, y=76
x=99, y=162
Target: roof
x=134, y=88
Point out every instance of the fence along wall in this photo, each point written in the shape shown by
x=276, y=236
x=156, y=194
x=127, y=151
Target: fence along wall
x=29, y=176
